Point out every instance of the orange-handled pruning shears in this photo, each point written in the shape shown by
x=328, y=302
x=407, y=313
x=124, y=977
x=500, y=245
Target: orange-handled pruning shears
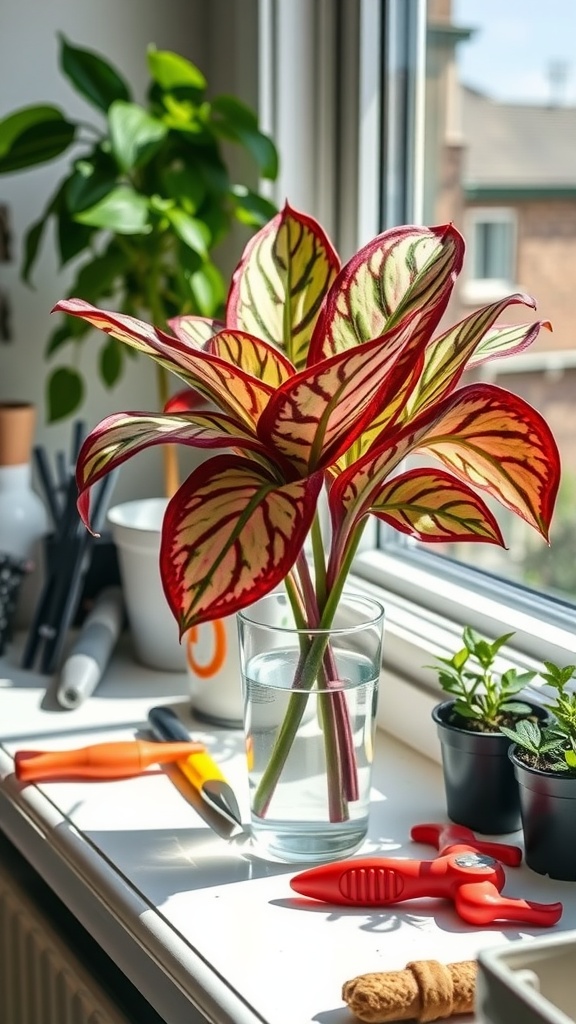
x=100, y=761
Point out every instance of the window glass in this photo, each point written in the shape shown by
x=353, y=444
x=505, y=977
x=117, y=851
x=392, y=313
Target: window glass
x=491, y=242
x=500, y=162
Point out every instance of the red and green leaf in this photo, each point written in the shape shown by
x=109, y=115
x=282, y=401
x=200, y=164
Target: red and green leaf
x=433, y=506
x=195, y=330
x=499, y=443
x=404, y=272
x=188, y=400
x=122, y=435
x=448, y=355
x=230, y=535
x=488, y=437
x=253, y=356
x=279, y=285
x=507, y=341
x=233, y=391
x=314, y=417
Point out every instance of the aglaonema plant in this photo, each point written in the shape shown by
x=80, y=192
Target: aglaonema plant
x=323, y=378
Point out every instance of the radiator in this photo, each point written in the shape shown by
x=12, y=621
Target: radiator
x=42, y=981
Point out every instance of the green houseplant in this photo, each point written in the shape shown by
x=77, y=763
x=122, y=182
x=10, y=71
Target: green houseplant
x=322, y=378
x=480, y=786
x=144, y=200
x=543, y=757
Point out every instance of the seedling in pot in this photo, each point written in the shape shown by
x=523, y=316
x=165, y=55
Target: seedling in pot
x=483, y=696
x=551, y=747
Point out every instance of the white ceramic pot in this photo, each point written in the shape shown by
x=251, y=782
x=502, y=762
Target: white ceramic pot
x=136, y=530
x=214, y=672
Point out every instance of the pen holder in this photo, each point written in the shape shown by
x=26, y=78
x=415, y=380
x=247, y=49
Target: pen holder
x=103, y=570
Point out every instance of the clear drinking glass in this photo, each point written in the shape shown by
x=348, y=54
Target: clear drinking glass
x=310, y=699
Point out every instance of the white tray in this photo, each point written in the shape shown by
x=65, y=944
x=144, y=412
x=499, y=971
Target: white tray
x=528, y=983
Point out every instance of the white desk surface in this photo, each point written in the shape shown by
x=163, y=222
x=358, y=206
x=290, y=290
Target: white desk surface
x=202, y=926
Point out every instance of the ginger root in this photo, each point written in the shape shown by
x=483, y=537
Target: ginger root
x=425, y=990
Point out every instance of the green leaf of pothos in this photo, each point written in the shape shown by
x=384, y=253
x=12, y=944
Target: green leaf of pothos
x=172, y=71
x=111, y=362
x=38, y=144
x=92, y=76
x=134, y=133
x=64, y=393
x=122, y=210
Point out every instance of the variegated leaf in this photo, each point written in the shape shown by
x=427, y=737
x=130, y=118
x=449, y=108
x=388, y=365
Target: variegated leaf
x=488, y=437
x=120, y=436
x=252, y=355
x=433, y=506
x=195, y=330
x=188, y=400
x=231, y=390
x=314, y=417
x=230, y=535
x=447, y=356
x=507, y=341
x=404, y=272
x=279, y=285
x=498, y=442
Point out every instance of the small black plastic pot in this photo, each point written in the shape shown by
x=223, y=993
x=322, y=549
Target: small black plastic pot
x=548, y=810
x=479, y=781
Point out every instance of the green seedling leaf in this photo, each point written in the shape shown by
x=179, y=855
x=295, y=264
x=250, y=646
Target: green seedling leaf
x=515, y=707
x=513, y=681
x=92, y=76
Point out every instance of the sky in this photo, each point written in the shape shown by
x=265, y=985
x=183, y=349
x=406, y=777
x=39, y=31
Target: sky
x=515, y=45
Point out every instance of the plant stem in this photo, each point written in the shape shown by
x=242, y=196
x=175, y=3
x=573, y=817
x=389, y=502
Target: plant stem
x=311, y=662
x=338, y=743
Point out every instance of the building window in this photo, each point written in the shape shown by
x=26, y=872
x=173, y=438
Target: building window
x=492, y=246
x=491, y=260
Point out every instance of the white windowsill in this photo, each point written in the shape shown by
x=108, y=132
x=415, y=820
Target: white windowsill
x=205, y=929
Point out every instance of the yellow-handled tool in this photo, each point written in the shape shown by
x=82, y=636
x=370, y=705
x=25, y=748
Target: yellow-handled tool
x=199, y=768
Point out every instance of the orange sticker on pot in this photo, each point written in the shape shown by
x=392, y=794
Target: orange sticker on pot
x=213, y=664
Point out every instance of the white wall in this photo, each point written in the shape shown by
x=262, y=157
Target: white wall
x=120, y=30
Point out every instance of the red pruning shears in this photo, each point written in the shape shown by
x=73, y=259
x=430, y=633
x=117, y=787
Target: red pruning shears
x=468, y=872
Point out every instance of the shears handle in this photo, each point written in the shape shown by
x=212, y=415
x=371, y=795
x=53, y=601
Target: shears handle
x=378, y=881
x=471, y=880
x=480, y=903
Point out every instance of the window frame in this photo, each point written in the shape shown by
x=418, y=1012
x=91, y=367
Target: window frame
x=343, y=193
